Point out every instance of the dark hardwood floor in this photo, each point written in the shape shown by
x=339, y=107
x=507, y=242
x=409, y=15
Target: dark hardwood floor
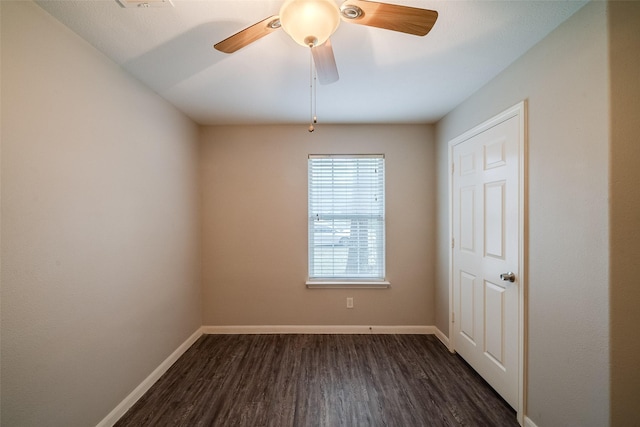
x=319, y=380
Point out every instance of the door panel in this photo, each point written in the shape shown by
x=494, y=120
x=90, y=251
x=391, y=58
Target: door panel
x=494, y=153
x=494, y=219
x=494, y=323
x=467, y=214
x=467, y=303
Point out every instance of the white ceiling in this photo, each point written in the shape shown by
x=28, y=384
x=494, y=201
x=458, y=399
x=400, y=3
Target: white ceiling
x=385, y=77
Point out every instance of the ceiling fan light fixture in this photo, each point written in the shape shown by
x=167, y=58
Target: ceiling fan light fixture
x=310, y=21
x=350, y=11
x=274, y=24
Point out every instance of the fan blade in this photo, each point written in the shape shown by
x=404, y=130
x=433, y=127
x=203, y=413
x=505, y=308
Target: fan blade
x=248, y=35
x=404, y=19
x=325, y=63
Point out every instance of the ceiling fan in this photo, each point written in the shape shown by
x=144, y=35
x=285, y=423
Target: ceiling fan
x=311, y=22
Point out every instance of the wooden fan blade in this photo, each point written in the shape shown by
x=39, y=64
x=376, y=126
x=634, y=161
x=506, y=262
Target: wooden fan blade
x=325, y=63
x=404, y=19
x=248, y=35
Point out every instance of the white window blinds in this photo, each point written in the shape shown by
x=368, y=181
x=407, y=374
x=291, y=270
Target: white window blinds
x=346, y=217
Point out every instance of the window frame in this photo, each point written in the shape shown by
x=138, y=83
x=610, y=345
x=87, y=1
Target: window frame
x=345, y=282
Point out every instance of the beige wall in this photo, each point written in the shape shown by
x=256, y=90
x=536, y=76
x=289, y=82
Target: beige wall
x=624, y=45
x=565, y=82
x=254, y=184
x=100, y=227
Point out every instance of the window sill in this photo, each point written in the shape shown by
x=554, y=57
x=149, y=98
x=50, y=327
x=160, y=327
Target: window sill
x=348, y=284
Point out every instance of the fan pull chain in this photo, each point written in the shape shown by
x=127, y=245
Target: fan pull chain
x=312, y=91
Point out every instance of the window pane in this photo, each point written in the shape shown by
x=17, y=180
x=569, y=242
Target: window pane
x=346, y=217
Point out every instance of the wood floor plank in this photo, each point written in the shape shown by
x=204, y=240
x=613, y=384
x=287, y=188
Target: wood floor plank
x=319, y=380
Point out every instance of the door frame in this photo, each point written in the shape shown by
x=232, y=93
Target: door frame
x=520, y=111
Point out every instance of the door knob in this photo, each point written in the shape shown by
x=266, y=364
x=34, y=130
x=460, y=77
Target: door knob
x=508, y=277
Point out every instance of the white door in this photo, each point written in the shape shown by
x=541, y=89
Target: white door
x=486, y=228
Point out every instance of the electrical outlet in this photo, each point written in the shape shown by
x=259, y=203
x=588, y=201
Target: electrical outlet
x=349, y=302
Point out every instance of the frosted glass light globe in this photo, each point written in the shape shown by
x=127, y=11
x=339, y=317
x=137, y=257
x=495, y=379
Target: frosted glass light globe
x=310, y=22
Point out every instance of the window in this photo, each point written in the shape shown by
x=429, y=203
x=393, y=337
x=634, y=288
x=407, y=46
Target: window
x=346, y=218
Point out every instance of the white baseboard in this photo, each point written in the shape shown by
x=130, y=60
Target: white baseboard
x=443, y=338
x=137, y=393
x=528, y=422
x=319, y=329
